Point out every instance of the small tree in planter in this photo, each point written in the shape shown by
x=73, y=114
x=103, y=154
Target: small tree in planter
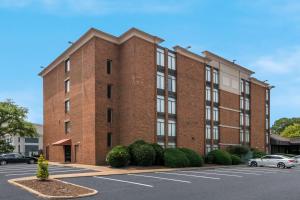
x=42, y=172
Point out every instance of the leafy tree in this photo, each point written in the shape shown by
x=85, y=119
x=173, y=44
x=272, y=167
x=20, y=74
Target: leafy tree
x=5, y=147
x=291, y=131
x=13, y=121
x=280, y=124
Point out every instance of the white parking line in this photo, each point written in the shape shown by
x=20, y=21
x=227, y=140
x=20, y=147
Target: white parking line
x=177, y=174
x=265, y=170
x=235, y=172
x=251, y=171
x=212, y=173
x=118, y=180
x=77, y=170
x=156, y=177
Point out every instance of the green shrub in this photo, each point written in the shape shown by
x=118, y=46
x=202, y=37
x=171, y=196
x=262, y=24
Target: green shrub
x=42, y=171
x=144, y=155
x=238, y=150
x=236, y=160
x=118, y=156
x=257, y=153
x=175, y=158
x=220, y=157
x=159, y=154
x=132, y=148
x=194, y=158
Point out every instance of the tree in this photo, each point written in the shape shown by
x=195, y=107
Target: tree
x=13, y=121
x=5, y=147
x=291, y=131
x=280, y=124
x=42, y=171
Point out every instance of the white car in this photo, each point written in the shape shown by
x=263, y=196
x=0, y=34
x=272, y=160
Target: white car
x=273, y=161
x=297, y=158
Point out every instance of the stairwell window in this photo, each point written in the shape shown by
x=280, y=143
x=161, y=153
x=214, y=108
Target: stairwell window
x=216, y=114
x=216, y=132
x=171, y=105
x=67, y=66
x=108, y=66
x=208, y=132
x=160, y=80
x=109, y=115
x=67, y=86
x=216, y=95
x=241, y=103
x=208, y=110
x=171, y=128
x=171, y=83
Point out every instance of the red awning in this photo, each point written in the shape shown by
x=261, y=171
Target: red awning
x=62, y=142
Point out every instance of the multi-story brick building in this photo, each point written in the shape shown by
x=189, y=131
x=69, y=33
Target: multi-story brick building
x=106, y=90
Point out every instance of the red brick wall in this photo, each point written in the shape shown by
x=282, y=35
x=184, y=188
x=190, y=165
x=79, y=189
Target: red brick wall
x=190, y=104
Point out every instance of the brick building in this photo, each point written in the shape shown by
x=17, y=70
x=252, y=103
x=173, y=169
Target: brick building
x=106, y=90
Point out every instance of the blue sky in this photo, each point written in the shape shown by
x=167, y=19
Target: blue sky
x=260, y=34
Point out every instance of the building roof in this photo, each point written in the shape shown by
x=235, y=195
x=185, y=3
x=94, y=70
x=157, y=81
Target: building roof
x=279, y=140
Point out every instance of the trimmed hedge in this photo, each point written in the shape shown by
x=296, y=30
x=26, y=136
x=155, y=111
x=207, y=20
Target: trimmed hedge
x=236, y=160
x=238, y=150
x=257, y=153
x=194, y=158
x=144, y=155
x=175, y=158
x=132, y=148
x=118, y=157
x=219, y=157
x=159, y=154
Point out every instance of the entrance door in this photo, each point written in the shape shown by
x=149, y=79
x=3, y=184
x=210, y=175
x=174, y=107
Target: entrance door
x=67, y=153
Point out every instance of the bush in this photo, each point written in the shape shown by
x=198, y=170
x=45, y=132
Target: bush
x=219, y=157
x=159, y=154
x=238, y=150
x=144, y=155
x=257, y=153
x=175, y=158
x=132, y=148
x=236, y=160
x=194, y=158
x=42, y=171
x=118, y=156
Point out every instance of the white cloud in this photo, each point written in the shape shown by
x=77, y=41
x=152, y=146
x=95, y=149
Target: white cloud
x=281, y=62
x=102, y=7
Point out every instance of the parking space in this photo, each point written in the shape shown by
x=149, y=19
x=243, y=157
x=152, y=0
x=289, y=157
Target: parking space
x=222, y=183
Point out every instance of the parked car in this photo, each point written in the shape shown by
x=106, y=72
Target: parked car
x=297, y=158
x=16, y=158
x=273, y=161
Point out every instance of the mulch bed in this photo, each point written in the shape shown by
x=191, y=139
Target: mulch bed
x=55, y=188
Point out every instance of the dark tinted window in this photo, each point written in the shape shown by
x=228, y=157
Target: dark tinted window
x=31, y=140
x=108, y=66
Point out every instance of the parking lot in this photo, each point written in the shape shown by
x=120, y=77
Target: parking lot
x=223, y=183
x=11, y=171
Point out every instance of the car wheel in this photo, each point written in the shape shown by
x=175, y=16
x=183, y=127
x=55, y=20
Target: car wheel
x=281, y=165
x=3, y=162
x=31, y=162
x=253, y=164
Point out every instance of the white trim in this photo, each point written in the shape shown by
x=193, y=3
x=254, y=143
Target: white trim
x=227, y=144
x=230, y=109
x=233, y=127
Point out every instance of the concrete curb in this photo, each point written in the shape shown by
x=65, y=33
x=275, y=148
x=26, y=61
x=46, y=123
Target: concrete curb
x=94, y=192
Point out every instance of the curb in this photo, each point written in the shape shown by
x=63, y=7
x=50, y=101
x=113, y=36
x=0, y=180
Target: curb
x=94, y=192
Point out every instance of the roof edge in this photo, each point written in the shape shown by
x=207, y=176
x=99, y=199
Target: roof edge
x=190, y=54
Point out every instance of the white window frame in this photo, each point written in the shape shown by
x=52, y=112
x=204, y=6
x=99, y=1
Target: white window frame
x=208, y=132
x=208, y=93
x=171, y=83
x=216, y=132
x=247, y=104
x=216, y=95
x=160, y=127
x=242, y=85
x=171, y=127
x=160, y=80
x=215, y=114
x=247, y=87
x=241, y=102
x=171, y=61
x=208, y=73
x=241, y=119
x=171, y=105
x=247, y=120
x=216, y=76
x=208, y=113
x=160, y=57
x=160, y=103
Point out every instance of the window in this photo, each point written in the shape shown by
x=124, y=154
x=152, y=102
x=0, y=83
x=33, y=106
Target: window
x=267, y=138
x=241, y=119
x=109, y=115
x=160, y=103
x=31, y=140
x=160, y=127
x=216, y=132
x=216, y=76
x=109, y=140
x=267, y=95
x=172, y=128
x=171, y=61
x=171, y=105
x=247, y=104
x=267, y=109
x=67, y=127
x=247, y=136
x=108, y=66
x=216, y=95
x=247, y=120
x=207, y=74
x=241, y=103
x=67, y=66
x=267, y=123
x=208, y=132
x=242, y=85
x=241, y=135
x=208, y=93
x=160, y=57
x=109, y=88
x=67, y=106
x=171, y=83
x=208, y=148
x=215, y=147
x=247, y=87
x=171, y=145
x=216, y=114
x=160, y=80
x=67, y=86
x=208, y=113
